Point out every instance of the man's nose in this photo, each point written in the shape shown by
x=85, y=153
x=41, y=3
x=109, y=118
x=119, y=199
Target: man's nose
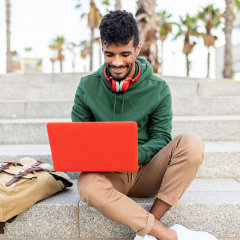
x=117, y=61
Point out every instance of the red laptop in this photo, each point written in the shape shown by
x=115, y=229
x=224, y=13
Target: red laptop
x=94, y=146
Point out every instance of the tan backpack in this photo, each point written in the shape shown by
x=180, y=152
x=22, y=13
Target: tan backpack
x=28, y=179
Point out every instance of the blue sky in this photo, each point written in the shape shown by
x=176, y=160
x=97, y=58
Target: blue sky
x=36, y=22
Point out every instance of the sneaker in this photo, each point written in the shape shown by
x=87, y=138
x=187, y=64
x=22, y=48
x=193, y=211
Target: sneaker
x=146, y=237
x=186, y=234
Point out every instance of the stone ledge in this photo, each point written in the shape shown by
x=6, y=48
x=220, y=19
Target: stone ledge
x=64, y=86
x=61, y=108
x=209, y=128
x=221, y=158
x=209, y=204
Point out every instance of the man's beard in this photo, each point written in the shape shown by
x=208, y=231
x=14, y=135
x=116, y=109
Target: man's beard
x=125, y=76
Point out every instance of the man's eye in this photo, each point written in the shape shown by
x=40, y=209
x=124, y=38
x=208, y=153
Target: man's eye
x=125, y=54
x=109, y=55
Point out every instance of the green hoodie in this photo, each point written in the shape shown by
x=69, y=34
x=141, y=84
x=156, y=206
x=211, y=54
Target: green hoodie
x=147, y=102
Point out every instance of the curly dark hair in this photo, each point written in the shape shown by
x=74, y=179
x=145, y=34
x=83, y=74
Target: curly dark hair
x=119, y=27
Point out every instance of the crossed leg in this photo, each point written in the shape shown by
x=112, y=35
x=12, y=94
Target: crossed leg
x=168, y=175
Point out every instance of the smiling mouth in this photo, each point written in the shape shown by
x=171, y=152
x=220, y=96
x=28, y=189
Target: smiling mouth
x=118, y=69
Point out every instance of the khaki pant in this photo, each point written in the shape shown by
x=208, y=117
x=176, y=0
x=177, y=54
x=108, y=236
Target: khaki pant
x=167, y=175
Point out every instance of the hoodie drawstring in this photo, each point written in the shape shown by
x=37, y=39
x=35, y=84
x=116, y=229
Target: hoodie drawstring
x=114, y=105
x=130, y=178
x=122, y=105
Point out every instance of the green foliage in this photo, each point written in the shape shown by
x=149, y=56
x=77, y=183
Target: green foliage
x=237, y=4
x=164, y=24
x=28, y=49
x=211, y=17
x=84, y=43
x=79, y=5
x=14, y=53
x=106, y=2
x=188, y=27
x=58, y=43
x=71, y=46
x=84, y=48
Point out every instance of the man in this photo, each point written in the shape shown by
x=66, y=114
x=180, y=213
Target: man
x=125, y=89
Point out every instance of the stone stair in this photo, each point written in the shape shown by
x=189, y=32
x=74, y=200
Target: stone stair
x=209, y=108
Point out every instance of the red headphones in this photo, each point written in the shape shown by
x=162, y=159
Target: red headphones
x=124, y=84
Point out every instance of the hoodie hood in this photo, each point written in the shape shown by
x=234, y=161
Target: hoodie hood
x=146, y=72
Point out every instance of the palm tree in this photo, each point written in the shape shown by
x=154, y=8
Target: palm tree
x=228, y=15
x=53, y=60
x=84, y=49
x=8, y=22
x=188, y=29
x=71, y=47
x=94, y=19
x=28, y=49
x=211, y=17
x=164, y=28
x=147, y=23
x=98, y=40
x=57, y=44
x=15, y=61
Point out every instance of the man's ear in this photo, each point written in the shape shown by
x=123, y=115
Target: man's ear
x=138, y=49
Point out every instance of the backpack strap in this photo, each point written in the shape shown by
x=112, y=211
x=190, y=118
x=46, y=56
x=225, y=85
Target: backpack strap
x=37, y=163
x=8, y=165
x=16, y=177
x=2, y=224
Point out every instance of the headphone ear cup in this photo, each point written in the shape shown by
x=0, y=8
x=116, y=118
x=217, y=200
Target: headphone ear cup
x=114, y=87
x=124, y=85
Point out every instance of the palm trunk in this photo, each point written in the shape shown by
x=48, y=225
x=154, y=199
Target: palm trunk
x=118, y=5
x=60, y=59
x=91, y=49
x=146, y=20
x=187, y=65
x=161, y=63
x=53, y=67
x=228, y=69
x=73, y=61
x=61, y=65
x=208, y=62
x=9, y=56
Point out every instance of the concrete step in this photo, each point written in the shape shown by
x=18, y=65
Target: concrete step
x=36, y=109
x=206, y=106
x=222, y=159
x=55, y=86
x=191, y=106
x=38, y=92
x=209, y=204
x=40, y=78
x=66, y=78
x=209, y=128
x=191, y=87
